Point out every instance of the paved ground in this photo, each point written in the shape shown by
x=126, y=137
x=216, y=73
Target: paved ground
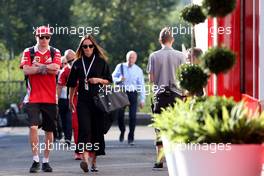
x=121, y=159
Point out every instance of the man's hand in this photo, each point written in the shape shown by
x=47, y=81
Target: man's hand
x=141, y=105
x=43, y=69
x=123, y=78
x=53, y=67
x=37, y=64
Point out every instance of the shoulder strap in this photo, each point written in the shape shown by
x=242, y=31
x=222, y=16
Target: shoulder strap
x=32, y=53
x=52, y=52
x=122, y=69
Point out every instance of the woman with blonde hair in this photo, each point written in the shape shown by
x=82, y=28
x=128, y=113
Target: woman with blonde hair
x=92, y=72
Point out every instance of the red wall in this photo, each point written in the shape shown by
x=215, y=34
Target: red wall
x=229, y=84
x=248, y=47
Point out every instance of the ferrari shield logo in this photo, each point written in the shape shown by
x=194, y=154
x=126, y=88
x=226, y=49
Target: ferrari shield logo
x=36, y=59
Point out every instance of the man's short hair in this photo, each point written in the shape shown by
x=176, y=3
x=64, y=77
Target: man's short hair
x=165, y=35
x=129, y=53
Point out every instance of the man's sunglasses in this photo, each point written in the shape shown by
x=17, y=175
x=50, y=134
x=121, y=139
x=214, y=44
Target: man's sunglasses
x=42, y=37
x=87, y=46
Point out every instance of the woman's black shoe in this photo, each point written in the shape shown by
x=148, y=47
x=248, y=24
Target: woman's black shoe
x=121, y=137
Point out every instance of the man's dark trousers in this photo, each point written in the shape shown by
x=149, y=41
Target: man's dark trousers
x=66, y=118
x=133, y=99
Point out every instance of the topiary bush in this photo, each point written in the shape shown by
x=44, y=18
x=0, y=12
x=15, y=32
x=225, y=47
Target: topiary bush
x=218, y=60
x=193, y=14
x=191, y=77
x=218, y=8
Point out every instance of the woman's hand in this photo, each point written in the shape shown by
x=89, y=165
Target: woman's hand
x=72, y=92
x=72, y=106
x=98, y=81
x=95, y=80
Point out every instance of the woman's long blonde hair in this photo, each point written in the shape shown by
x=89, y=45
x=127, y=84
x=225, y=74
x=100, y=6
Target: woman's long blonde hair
x=97, y=49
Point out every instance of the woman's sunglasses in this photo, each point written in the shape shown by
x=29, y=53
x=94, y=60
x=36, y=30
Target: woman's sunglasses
x=87, y=46
x=42, y=37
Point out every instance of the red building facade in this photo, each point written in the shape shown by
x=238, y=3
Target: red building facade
x=241, y=31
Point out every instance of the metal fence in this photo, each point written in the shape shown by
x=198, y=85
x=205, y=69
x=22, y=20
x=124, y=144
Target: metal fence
x=11, y=92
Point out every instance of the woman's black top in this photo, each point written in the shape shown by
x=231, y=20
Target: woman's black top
x=99, y=69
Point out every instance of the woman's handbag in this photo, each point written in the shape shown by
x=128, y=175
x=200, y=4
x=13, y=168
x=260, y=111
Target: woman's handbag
x=110, y=101
x=109, y=118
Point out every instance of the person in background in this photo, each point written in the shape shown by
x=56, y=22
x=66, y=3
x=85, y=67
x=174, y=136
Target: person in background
x=64, y=111
x=72, y=120
x=77, y=155
x=57, y=133
x=131, y=77
x=40, y=65
x=92, y=72
x=197, y=52
x=162, y=68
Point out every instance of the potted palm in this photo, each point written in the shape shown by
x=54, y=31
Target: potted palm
x=211, y=136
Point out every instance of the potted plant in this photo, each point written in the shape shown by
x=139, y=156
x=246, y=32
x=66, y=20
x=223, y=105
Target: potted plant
x=211, y=136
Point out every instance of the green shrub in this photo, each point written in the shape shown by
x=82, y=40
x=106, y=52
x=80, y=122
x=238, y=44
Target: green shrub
x=212, y=105
x=11, y=92
x=218, y=60
x=193, y=14
x=191, y=77
x=218, y=8
x=182, y=124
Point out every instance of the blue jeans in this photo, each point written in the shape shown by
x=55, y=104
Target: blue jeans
x=132, y=96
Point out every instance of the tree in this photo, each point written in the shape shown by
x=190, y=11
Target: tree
x=125, y=25
x=18, y=18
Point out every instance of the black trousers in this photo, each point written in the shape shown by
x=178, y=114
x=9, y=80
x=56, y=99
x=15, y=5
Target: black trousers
x=91, y=123
x=132, y=96
x=66, y=118
x=163, y=100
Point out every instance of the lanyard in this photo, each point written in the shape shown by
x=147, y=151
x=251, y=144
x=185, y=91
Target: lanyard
x=86, y=72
